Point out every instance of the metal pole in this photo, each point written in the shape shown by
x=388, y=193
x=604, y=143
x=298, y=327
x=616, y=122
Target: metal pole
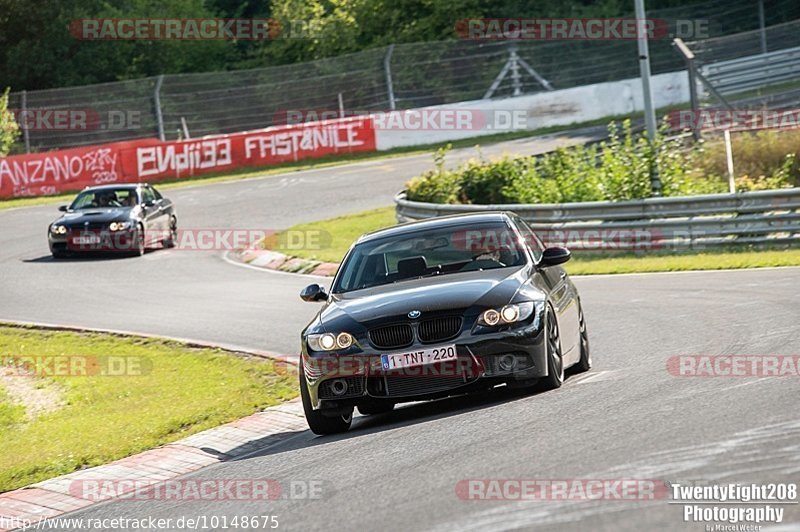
x=24, y=114
x=688, y=56
x=157, y=104
x=729, y=160
x=515, y=79
x=387, y=68
x=762, y=26
x=341, y=106
x=644, y=68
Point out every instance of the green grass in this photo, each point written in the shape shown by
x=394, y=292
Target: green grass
x=346, y=229
x=183, y=390
x=335, y=235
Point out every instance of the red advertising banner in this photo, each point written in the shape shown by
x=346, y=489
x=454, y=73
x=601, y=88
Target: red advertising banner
x=150, y=160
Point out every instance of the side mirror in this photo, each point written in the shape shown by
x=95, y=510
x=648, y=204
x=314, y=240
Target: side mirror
x=149, y=203
x=554, y=256
x=62, y=208
x=313, y=292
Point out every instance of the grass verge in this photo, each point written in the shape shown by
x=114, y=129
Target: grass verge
x=339, y=233
x=166, y=392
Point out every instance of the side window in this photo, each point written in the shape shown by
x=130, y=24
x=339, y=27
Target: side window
x=531, y=238
x=156, y=193
x=147, y=195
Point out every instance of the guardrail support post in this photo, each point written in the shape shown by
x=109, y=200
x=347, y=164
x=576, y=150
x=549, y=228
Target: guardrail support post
x=157, y=105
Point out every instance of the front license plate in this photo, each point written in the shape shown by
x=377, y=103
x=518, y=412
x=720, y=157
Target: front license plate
x=420, y=357
x=87, y=239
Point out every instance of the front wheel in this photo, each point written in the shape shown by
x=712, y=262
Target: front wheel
x=555, y=364
x=585, y=363
x=138, y=241
x=169, y=242
x=317, y=421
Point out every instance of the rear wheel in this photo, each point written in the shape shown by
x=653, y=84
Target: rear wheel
x=371, y=409
x=555, y=364
x=317, y=421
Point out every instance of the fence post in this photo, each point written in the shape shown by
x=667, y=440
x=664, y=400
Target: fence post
x=157, y=105
x=24, y=114
x=761, y=26
x=387, y=68
x=729, y=160
x=516, y=83
x=688, y=56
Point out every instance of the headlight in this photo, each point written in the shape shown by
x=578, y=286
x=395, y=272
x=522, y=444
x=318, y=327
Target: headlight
x=58, y=230
x=329, y=341
x=508, y=314
x=119, y=226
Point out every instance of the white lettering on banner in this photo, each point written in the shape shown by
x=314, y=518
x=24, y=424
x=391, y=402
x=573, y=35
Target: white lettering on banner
x=307, y=139
x=155, y=160
x=57, y=168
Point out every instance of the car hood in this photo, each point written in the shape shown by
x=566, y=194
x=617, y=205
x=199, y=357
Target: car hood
x=488, y=288
x=100, y=215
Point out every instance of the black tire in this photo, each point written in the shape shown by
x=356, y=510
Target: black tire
x=317, y=422
x=138, y=241
x=555, y=364
x=169, y=242
x=585, y=363
x=58, y=254
x=371, y=409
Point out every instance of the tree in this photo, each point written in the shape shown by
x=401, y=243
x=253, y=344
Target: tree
x=9, y=129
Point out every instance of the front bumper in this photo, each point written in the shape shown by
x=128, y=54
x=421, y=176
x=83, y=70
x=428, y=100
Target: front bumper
x=513, y=355
x=120, y=241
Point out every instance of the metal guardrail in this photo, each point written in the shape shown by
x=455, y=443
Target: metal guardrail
x=687, y=222
x=755, y=71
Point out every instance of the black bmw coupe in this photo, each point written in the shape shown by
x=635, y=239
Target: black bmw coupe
x=436, y=308
x=122, y=218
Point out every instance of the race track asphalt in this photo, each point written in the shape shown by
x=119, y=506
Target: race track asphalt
x=629, y=418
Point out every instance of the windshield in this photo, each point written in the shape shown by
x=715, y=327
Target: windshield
x=116, y=197
x=428, y=253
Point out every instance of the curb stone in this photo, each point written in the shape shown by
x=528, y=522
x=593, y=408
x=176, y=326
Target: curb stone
x=56, y=496
x=272, y=260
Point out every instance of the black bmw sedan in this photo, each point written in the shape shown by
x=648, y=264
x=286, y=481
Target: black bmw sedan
x=122, y=218
x=436, y=308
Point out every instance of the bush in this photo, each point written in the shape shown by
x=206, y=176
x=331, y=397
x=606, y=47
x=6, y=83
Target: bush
x=614, y=170
x=9, y=130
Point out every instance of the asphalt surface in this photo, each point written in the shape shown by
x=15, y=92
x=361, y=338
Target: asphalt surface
x=629, y=418
x=196, y=294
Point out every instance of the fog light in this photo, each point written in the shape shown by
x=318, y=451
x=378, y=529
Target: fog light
x=339, y=386
x=507, y=362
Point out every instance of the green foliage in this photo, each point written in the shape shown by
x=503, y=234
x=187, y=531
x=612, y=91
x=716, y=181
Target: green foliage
x=38, y=52
x=9, y=129
x=614, y=170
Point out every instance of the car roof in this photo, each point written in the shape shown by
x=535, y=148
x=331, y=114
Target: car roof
x=440, y=222
x=116, y=187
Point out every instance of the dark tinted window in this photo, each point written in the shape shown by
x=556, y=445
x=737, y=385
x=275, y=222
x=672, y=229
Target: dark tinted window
x=427, y=253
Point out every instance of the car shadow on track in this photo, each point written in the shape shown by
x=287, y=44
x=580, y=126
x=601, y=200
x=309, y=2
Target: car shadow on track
x=403, y=416
x=83, y=257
